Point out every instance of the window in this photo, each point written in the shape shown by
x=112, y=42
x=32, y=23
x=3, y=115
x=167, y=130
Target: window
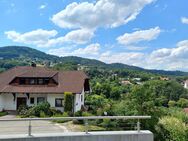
x=46, y=81
x=81, y=98
x=32, y=81
x=40, y=99
x=40, y=81
x=59, y=102
x=32, y=100
x=22, y=81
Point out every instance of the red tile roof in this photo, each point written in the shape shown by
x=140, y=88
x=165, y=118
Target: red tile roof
x=186, y=110
x=68, y=81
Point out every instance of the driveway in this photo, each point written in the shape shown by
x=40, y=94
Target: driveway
x=21, y=127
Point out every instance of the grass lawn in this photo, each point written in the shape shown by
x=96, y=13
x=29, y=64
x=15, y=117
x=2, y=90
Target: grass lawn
x=81, y=128
x=3, y=114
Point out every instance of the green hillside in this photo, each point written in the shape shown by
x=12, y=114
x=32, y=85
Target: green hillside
x=11, y=56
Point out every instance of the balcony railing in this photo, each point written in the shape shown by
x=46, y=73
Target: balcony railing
x=29, y=120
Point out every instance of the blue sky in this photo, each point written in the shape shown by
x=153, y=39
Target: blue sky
x=146, y=33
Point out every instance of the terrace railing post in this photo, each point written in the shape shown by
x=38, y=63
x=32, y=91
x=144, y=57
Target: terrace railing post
x=86, y=125
x=29, y=128
x=138, y=125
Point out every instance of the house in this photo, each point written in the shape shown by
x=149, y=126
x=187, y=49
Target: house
x=186, y=110
x=164, y=78
x=30, y=85
x=186, y=84
x=136, y=79
x=126, y=82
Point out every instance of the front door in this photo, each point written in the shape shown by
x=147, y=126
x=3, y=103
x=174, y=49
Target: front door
x=21, y=101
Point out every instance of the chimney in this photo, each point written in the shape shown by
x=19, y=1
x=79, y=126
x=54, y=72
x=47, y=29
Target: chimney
x=33, y=64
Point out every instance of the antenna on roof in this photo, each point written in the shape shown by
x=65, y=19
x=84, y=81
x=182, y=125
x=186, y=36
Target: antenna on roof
x=33, y=64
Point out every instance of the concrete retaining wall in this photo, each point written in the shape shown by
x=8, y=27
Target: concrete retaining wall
x=80, y=136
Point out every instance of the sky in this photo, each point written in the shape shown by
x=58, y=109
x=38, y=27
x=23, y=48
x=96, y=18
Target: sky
x=152, y=34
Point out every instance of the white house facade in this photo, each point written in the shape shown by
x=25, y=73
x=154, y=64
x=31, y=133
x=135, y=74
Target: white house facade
x=186, y=84
x=32, y=85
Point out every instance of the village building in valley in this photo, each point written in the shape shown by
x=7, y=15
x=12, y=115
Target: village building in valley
x=30, y=85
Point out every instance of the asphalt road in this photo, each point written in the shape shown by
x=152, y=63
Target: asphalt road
x=21, y=127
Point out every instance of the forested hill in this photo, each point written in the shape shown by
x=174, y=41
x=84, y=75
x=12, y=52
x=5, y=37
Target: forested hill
x=22, y=55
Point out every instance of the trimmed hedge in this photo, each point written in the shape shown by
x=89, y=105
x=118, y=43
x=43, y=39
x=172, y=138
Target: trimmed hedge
x=68, y=102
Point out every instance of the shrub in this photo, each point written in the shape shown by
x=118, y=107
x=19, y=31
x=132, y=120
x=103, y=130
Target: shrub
x=55, y=112
x=22, y=110
x=42, y=114
x=171, y=129
x=41, y=107
x=68, y=103
x=65, y=114
x=109, y=124
x=183, y=103
x=171, y=103
x=78, y=113
x=40, y=110
x=3, y=113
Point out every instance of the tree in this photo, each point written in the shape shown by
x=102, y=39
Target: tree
x=95, y=102
x=115, y=93
x=183, y=103
x=171, y=129
x=68, y=103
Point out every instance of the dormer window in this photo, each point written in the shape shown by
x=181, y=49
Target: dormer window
x=46, y=81
x=32, y=81
x=41, y=81
x=22, y=81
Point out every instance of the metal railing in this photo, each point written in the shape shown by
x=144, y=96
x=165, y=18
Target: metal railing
x=138, y=118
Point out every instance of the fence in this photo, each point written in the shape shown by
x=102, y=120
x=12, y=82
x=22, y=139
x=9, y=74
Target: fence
x=30, y=120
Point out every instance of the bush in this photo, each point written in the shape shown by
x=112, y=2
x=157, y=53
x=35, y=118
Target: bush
x=65, y=114
x=3, y=113
x=22, y=110
x=41, y=107
x=109, y=124
x=40, y=110
x=171, y=129
x=55, y=112
x=171, y=103
x=79, y=114
x=68, y=103
x=182, y=102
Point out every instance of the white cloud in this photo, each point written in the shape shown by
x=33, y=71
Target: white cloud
x=46, y=38
x=131, y=58
x=43, y=6
x=37, y=37
x=91, y=50
x=80, y=36
x=165, y=58
x=138, y=36
x=184, y=20
x=177, y=53
x=170, y=58
x=103, y=13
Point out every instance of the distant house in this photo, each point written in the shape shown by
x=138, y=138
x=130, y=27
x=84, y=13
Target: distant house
x=164, y=78
x=30, y=85
x=186, y=84
x=136, y=79
x=186, y=110
x=126, y=82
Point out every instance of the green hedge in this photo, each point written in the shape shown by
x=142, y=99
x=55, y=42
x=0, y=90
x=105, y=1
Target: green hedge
x=68, y=102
